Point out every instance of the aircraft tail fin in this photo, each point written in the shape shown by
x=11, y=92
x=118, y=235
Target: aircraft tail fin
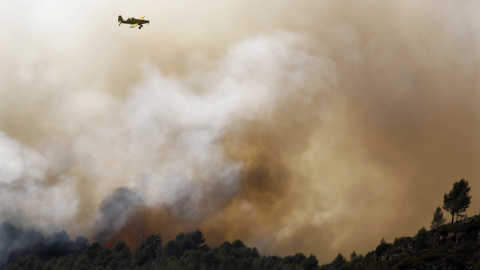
x=120, y=20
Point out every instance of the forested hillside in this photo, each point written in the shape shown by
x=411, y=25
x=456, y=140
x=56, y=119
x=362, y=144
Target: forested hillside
x=186, y=251
x=455, y=245
x=450, y=246
x=445, y=246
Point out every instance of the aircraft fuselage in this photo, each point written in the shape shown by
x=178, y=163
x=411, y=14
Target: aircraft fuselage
x=133, y=21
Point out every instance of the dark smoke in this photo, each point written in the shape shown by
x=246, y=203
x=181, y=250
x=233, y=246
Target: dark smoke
x=115, y=211
x=16, y=243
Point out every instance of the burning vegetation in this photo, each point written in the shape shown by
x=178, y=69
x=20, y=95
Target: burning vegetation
x=445, y=246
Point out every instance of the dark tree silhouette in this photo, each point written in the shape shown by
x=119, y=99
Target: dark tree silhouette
x=438, y=219
x=198, y=239
x=15, y=243
x=149, y=249
x=173, y=248
x=338, y=261
x=30, y=262
x=457, y=200
x=382, y=247
x=310, y=263
x=353, y=256
x=421, y=240
x=186, y=251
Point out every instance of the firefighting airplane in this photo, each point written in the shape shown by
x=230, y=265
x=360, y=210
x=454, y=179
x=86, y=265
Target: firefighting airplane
x=134, y=22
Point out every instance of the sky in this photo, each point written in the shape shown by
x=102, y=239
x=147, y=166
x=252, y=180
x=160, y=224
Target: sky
x=295, y=126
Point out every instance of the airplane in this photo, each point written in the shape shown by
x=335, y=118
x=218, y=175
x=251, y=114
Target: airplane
x=134, y=22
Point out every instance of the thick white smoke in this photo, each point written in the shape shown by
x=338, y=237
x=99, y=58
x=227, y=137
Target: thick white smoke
x=162, y=138
x=27, y=197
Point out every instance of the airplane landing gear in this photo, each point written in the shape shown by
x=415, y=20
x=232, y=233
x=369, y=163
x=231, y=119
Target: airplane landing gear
x=140, y=27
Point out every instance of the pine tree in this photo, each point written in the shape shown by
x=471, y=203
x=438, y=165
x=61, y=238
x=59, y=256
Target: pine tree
x=353, y=256
x=438, y=219
x=338, y=261
x=457, y=200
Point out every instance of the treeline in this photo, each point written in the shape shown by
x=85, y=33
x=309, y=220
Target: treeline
x=449, y=246
x=16, y=243
x=186, y=251
x=445, y=246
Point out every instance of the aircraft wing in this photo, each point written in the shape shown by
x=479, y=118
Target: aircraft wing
x=141, y=18
x=133, y=25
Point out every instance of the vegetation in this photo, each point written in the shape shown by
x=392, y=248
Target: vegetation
x=445, y=246
x=16, y=243
x=186, y=251
x=457, y=200
x=438, y=219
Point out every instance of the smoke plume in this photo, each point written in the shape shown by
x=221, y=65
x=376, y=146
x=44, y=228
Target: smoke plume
x=296, y=126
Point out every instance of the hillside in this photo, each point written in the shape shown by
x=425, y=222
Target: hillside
x=186, y=251
x=451, y=246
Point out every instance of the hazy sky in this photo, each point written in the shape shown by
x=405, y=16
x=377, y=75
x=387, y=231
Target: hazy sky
x=296, y=126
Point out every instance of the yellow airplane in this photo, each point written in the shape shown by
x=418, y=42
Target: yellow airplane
x=134, y=22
